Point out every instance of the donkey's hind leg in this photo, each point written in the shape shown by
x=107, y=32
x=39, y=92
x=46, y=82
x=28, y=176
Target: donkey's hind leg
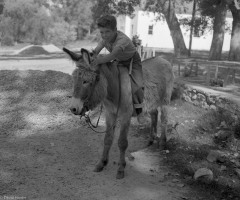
x=164, y=120
x=154, y=122
x=123, y=144
x=108, y=140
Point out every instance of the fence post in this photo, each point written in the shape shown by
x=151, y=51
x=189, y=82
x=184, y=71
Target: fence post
x=216, y=72
x=196, y=71
x=225, y=82
x=208, y=75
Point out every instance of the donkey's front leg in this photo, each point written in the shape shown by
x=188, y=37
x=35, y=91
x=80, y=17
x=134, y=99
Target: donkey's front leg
x=123, y=144
x=108, y=140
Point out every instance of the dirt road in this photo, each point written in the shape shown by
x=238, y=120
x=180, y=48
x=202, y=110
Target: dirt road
x=58, y=64
x=46, y=154
x=59, y=165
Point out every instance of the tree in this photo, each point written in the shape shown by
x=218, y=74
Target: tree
x=18, y=13
x=167, y=8
x=40, y=25
x=114, y=7
x=217, y=10
x=25, y=20
x=234, y=53
x=61, y=33
x=75, y=12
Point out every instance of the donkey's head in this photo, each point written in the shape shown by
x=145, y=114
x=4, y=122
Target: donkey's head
x=89, y=86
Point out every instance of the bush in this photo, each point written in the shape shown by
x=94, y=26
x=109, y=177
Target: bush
x=61, y=33
x=7, y=41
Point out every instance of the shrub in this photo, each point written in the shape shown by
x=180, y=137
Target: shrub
x=7, y=41
x=61, y=33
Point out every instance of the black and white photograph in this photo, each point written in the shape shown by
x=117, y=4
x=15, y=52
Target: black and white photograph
x=119, y=99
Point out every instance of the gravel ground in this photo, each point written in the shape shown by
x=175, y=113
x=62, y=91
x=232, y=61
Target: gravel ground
x=34, y=100
x=47, y=154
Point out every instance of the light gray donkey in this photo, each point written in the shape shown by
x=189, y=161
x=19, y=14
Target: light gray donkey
x=111, y=85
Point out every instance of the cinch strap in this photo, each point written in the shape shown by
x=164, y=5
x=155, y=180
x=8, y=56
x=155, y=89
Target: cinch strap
x=130, y=67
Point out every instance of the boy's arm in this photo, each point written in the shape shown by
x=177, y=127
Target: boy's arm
x=109, y=57
x=99, y=47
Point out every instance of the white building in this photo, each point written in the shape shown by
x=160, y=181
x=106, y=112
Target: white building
x=157, y=34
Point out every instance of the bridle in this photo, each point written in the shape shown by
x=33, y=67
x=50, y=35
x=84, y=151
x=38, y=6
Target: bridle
x=86, y=105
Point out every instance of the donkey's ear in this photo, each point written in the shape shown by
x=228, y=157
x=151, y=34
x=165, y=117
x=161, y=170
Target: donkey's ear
x=74, y=56
x=86, y=56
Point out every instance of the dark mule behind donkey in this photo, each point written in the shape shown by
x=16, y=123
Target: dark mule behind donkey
x=111, y=86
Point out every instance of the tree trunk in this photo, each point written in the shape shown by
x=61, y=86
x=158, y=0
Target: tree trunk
x=174, y=27
x=218, y=32
x=234, y=53
x=192, y=27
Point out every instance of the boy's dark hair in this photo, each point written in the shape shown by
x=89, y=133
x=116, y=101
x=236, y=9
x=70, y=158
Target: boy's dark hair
x=107, y=21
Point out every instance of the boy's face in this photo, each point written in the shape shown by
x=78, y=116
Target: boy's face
x=107, y=34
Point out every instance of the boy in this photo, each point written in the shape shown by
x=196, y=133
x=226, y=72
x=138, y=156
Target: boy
x=122, y=49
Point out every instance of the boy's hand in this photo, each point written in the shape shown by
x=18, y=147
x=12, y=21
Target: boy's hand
x=94, y=64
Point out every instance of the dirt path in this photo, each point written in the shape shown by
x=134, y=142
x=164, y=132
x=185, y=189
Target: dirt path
x=46, y=154
x=58, y=64
x=59, y=165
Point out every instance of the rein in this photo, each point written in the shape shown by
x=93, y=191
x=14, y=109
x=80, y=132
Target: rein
x=88, y=120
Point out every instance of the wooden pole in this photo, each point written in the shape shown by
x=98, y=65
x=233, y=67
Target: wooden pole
x=192, y=26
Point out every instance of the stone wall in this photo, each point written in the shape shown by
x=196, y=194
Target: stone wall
x=204, y=99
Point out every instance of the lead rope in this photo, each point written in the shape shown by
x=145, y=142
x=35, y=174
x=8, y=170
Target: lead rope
x=88, y=120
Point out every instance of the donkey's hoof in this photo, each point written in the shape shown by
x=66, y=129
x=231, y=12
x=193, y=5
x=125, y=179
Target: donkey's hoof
x=98, y=168
x=120, y=175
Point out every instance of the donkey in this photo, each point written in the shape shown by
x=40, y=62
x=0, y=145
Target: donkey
x=111, y=85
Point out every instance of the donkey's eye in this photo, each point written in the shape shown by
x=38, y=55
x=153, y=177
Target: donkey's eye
x=85, y=82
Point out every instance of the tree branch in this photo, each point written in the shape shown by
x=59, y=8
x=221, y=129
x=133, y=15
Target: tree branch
x=236, y=4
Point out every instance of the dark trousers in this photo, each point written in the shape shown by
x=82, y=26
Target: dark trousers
x=136, y=79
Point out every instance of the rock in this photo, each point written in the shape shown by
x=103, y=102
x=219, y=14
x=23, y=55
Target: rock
x=196, y=103
x=237, y=172
x=175, y=180
x=223, y=168
x=204, y=175
x=187, y=98
x=212, y=107
x=201, y=97
x=194, y=97
x=211, y=100
x=236, y=155
x=214, y=155
x=223, y=124
x=237, y=163
x=205, y=105
x=224, y=181
x=180, y=185
x=223, y=135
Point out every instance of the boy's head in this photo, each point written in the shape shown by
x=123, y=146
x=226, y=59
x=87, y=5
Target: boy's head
x=107, y=26
x=107, y=21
